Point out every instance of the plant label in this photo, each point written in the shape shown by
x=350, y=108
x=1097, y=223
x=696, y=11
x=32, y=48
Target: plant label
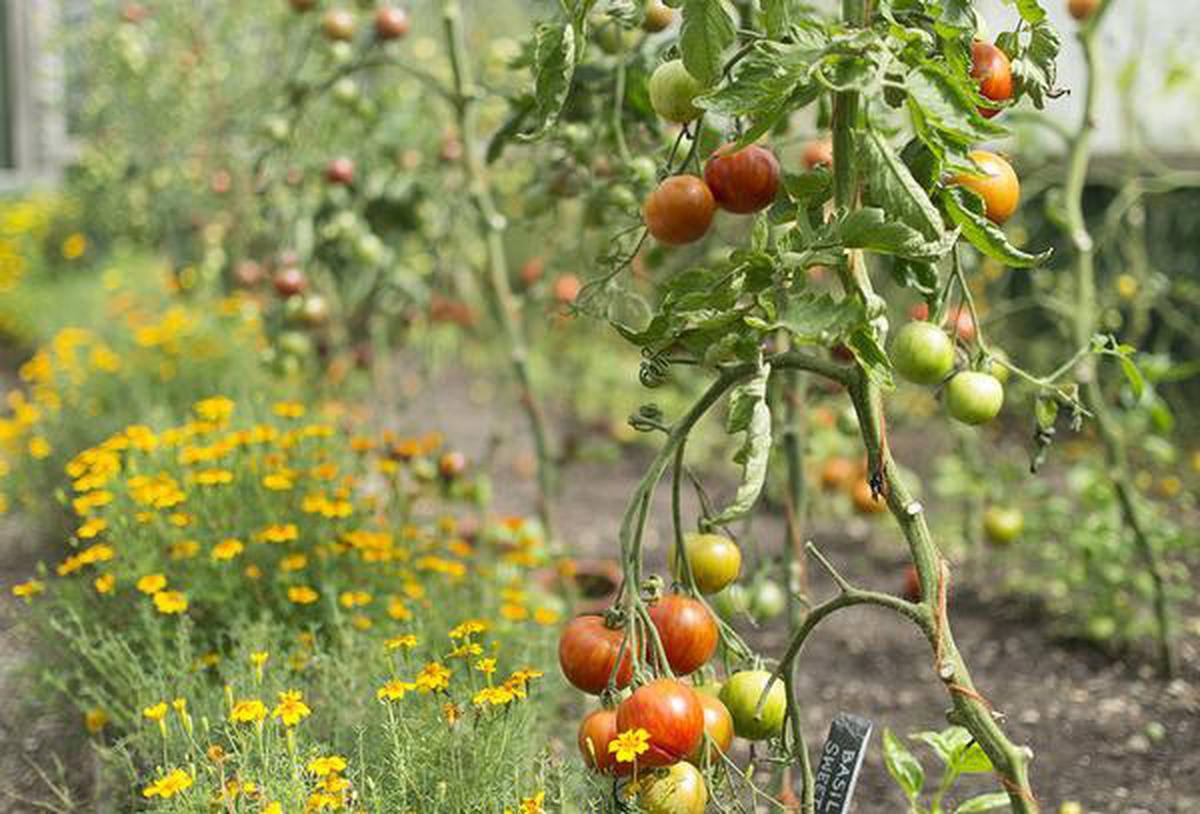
x=842, y=757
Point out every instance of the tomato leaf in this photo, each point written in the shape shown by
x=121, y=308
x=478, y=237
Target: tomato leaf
x=869, y=229
x=983, y=802
x=554, y=68
x=708, y=30
x=864, y=344
x=749, y=414
x=777, y=17
x=818, y=319
x=892, y=187
x=902, y=765
x=972, y=760
x=1035, y=68
x=1134, y=376
x=966, y=209
x=947, y=105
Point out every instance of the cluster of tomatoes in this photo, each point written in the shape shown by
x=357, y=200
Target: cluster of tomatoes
x=685, y=726
x=341, y=25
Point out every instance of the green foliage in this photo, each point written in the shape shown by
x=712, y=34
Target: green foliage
x=959, y=755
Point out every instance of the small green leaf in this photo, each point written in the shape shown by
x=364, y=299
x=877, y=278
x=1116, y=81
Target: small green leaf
x=868, y=229
x=902, y=766
x=1134, y=376
x=554, y=68
x=966, y=209
x=749, y=414
x=984, y=802
x=893, y=187
x=708, y=29
x=972, y=760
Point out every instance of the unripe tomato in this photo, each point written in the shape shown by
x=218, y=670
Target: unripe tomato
x=744, y=181
x=768, y=600
x=922, y=353
x=596, y=731
x=740, y=696
x=294, y=343
x=658, y=16
x=718, y=726
x=340, y=171
x=864, y=501
x=731, y=602
x=837, y=473
x=338, y=25
x=716, y=561
x=1082, y=9
x=289, y=281
x=391, y=23
x=997, y=367
x=671, y=713
x=566, y=289
x=672, y=90
x=1003, y=524
x=996, y=183
x=912, y=585
x=818, y=153
x=974, y=398
x=315, y=311
x=680, y=210
x=992, y=69
x=587, y=653
x=687, y=630
x=677, y=790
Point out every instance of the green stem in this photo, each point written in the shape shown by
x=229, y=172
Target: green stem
x=1085, y=324
x=493, y=225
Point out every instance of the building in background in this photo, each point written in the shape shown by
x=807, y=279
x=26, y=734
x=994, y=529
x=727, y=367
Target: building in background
x=33, y=134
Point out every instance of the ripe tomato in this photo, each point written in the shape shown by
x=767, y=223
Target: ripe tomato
x=963, y=324
x=740, y=696
x=744, y=181
x=289, y=281
x=532, y=271
x=992, y=69
x=671, y=713
x=566, y=289
x=818, y=153
x=912, y=585
x=1082, y=9
x=837, y=473
x=658, y=16
x=391, y=23
x=995, y=182
x=338, y=25
x=672, y=90
x=1003, y=524
x=596, y=731
x=687, y=630
x=718, y=726
x=680, y=210
x=922, y=353
x=677, y=790
x=864, y=501
x=587, y=653
x=340, y=171
x=974, y=398
x=716, y=561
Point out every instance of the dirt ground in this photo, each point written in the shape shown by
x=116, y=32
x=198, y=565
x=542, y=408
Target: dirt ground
x=1085, y=716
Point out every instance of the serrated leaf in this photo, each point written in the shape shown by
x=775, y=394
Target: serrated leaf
x=871, y=356
x=777, y=17
x=869, y=229
x=902, y=765
x=708, y=29
x=554, y=68
x=919, y=275
x=749, y=414
x=947, y=106
x=966, y=209
x=1035, y=68
x=984, y=802
x=893, y=187
x=812, y=187
x=819, y=318
x=767, y=84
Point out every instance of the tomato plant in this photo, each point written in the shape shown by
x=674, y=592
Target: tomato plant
x=743, y=181
x=718, y=728
x=741, y=694
x=715, y=561
x=992, y=69
x=596, y=731
x=588, y=651
x=680, y=210
x=673, y=91
x=922, y=353
x=686, y=630
x=994, y=180
x=973, y=397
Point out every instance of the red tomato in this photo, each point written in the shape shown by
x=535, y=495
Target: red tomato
x=289, y=281
x=680, y=210
x=391, y=23
x=744, y=181
x=818, y=153
x=566, y=289
x=670, y=711
x=718, y=725
x=687, y=630
x=340, y=171
x=992, y=69
x=1082, y=9
x=864, y=501
x=596, y=731
x=587, y=653
x=532, y=271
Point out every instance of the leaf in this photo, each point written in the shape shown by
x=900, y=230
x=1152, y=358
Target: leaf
x=864, y=344
x=1031, y=11
x=820, y=319
x=868, y=229
x=984, y=802
x=893, y=187
x=973, y=760
x=902, y=766
x=947, y=106
x=1036, y=69
x=1134, y=376
x=749, y=413
x=511, y=128
x=554, y=68
x=919, y=275
x=767, y=84
x=708, y=29
x=966, y=209
x=777, y=17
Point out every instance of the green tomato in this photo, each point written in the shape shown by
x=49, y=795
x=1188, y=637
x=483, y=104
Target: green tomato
x=1003, y=524
x=644, y=170
x=294, y=343
x=672, y=91
x=740, y=696
x=922, y=353
x=1070, y=807
x=731, y=602
x=716, y=561
x=679, y=789
x=768, y=600
x=974, y=398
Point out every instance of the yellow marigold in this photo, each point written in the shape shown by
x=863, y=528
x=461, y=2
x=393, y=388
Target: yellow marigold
x=629, y=744
x=321, y=801
x=361, y=621
x=486, y=666
x=273, y=807
x=227, y=549
x=29, y=588
x=169, y=785
x=288, y=409
x=533, y=805
x=96, y=553
x=432, y=678
x=334, y=784
x=466, y=650
x=94, y=720
x=324, y=766
x=170, y=602
x=156, y=712
x=248, y=711
x=39, y=448
x=214, y=477
x=514, y=613
x=215, y=410
x=546, y=616
x=291, y=708
x=152, y=583
x=105, y=583
x=279, y=533
x=278, y=481
x=74, y=246
x=468, y=628
x=91, y=500
x=183, y=550
x=496, y=696
x=406, y=641
x=302, y=595
x=293, y=562
x=354, y=599
x=252, y=571
x=394, y=690
x=179, y=519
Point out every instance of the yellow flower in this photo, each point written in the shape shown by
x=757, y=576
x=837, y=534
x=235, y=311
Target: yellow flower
x=397, y=609
x=302, y=595
x=29, y=588
x=74, y=246
x=546, y=616
x=156, y=712
x=394, y=690
x=279, y=533
x=407, y=641
x=324, y=766
x=334, y=784
x=152, y=583
x=320, y=801
x=451, y=713
x=39, y=447
x=273, y=807
x=94, y=720
x=514, y=613
x=169, y=602
x=353, y=599
x=105, y=583
x=433, y=677
x=215, y=410
x=293, y=562
x=468, y=628
x=169, y=785
x=91, y=528
x=629, y=744
x=496, y=696
x=486, y=666
x=248, y=711
x=278, y=481
x=227, y=549
x=183, y=550
x=259, y=658
x=533, y=805
x=288, y=409
x=291, y=708
x=214, y=477
x=465, y=651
